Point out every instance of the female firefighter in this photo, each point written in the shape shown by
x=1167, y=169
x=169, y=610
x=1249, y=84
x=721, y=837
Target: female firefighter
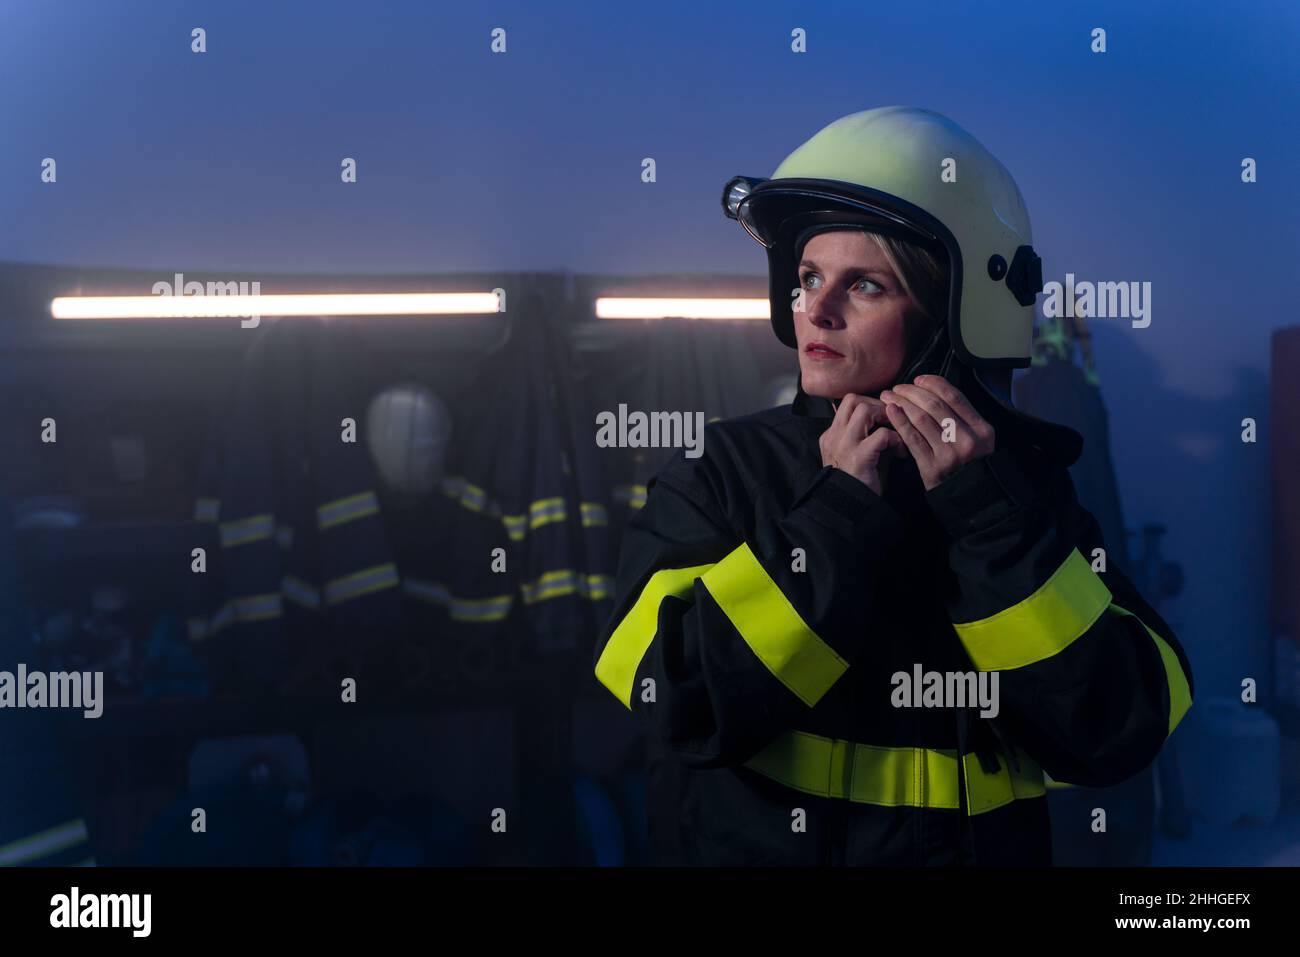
x=899, y=519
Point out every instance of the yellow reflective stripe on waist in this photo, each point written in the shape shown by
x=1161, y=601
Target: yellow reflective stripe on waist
x=891, y=776
x=622, y=654
x=866, y=774
x=1180, y=695
x=1042, y=625
x=759, y=610
x=988, y=792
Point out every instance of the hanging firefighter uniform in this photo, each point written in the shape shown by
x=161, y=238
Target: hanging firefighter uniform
x=523, y=471
x=289, y=502
x=765, y=602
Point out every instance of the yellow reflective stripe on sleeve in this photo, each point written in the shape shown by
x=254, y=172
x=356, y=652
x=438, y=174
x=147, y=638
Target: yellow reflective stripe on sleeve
x=494, y=608
x=1180, y=695
x=893, y=776
x=348, y=587
x=300, y=591
x=347, y=509
x=471, y=496
x=1042, y=625
x=599, y=587
x=246, y=608
x=622, y=654
x=566, y=581
x=30, y=849
x=759, y=610
x=593, y=514
x=516, y=526
x=246, y=530
x=633, y=496
x=546, y=510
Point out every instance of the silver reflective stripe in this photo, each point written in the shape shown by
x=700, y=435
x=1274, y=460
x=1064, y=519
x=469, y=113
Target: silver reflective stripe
x=360, y=583
x=246, y=530
x=346, y=509
x=44, y=844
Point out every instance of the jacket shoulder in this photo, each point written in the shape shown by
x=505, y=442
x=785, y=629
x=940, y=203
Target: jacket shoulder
x=728, y=460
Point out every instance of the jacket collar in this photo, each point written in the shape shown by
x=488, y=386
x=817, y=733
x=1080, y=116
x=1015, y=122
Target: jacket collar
x=810, y=406
x=1013, y=426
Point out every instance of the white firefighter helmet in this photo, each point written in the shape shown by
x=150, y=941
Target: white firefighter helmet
x=917, y=175
x=409, y=430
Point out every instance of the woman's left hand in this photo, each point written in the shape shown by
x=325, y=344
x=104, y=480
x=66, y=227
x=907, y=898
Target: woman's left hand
x=939, y=448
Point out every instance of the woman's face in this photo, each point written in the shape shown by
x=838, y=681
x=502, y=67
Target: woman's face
x=853, y=328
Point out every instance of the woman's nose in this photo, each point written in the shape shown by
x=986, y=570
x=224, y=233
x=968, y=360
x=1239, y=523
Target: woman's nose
x=821, y=315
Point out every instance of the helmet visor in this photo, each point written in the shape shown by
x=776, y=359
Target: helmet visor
x=776, y=211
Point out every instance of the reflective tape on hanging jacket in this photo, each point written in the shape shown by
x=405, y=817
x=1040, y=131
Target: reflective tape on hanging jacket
x=363, y=582
x=347, y=509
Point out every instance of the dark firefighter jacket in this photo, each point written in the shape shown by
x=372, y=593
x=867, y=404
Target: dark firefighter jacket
x=763, y=602
x=295, y=542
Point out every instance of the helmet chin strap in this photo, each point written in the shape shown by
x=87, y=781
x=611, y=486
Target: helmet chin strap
x=937, y=357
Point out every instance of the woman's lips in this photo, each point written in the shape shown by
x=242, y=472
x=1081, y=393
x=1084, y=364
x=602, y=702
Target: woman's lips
x=820, y=350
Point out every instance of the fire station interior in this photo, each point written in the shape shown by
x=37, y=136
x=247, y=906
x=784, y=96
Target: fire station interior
x=459, y=723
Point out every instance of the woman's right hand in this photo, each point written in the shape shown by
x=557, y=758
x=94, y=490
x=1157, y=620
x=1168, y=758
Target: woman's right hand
x=850, y=445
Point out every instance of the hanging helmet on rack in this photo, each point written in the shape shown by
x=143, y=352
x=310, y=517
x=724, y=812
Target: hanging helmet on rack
x=408, y=430
x=918, y=176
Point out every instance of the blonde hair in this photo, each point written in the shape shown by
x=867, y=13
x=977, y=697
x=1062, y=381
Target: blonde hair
x=924, y=275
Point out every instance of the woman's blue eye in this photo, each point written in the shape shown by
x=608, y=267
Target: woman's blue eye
x=809, y=279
